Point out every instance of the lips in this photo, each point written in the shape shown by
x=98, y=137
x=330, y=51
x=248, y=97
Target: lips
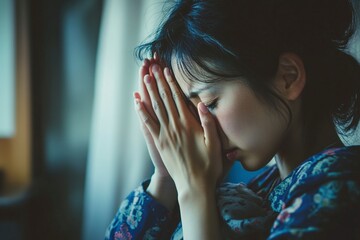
x=231, y=154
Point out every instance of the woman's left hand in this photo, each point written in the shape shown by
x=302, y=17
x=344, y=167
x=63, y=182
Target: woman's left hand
x=191, y=151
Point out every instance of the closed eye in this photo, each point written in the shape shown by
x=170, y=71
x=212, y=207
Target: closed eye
x=212, y=105
x=193, y=109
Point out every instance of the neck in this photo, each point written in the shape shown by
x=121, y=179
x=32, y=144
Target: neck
x=302, y=142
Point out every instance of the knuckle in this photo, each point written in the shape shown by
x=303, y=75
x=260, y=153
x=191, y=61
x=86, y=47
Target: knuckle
x=146, y=120
x=176, y=95
x=155, y=105
x=170, y=80
x=164, y=93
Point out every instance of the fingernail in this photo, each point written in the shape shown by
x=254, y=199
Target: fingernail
x=147, y=78
x=137, y=95
x=167, y=71
x=143, y=64
x=155, y=67
x=203, y=108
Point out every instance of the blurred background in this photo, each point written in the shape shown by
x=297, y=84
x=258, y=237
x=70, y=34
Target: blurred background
x=70, y=146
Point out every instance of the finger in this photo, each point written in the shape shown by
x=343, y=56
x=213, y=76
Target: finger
x=165, y=93
x=146, y=119
x=209, y=126
x=144, y=69
x=146, y=62
x=147, y=135
x=158, y=60
x=155, y=56
x=154, y=59
x=156, y=102
x=177, y=94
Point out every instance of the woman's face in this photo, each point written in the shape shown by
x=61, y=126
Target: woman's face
x=250, y=131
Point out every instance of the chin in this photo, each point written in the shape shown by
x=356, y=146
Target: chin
x=252, y=164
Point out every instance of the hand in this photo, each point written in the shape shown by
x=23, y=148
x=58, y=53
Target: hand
x=161, y=185
x=160, y=169
x=191, y=152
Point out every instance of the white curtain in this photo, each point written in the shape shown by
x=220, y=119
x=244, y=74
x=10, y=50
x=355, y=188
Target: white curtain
x=118, y=159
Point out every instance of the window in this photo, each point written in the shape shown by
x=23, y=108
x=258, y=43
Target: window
x=7, y=69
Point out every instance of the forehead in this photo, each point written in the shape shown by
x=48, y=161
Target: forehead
x=183, y=77
x=184, y=83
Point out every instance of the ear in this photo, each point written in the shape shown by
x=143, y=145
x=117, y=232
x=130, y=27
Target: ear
x=290, y=78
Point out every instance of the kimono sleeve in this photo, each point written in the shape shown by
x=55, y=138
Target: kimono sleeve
x=140, y=216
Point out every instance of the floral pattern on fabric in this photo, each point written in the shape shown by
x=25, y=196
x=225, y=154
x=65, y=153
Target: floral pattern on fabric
x=139, y=217
x=320, y=199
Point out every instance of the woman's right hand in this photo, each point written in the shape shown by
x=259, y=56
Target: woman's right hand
x=162, y=186
x=160, y=169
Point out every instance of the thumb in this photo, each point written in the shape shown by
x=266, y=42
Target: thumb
x=209, y=126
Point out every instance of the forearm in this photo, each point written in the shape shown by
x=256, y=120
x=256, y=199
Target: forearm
x=163, y=190
x=199, y=215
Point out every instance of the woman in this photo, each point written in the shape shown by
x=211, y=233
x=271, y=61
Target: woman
x=247, y=80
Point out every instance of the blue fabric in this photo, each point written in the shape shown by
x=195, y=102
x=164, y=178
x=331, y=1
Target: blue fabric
x=320, y=199
x=140, y=216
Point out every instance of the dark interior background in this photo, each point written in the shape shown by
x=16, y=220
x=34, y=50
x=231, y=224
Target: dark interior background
x=64, y=37
x=63, y=44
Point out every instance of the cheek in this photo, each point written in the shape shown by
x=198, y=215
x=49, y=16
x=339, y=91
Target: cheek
x=237, y=122
x=231, y=123
x=248, y=126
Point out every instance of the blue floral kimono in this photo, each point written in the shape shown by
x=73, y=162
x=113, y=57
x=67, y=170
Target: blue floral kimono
x=320, y=199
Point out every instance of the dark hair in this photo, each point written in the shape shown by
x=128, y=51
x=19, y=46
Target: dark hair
x=245, y=38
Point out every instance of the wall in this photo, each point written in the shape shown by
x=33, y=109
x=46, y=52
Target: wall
x=15, y=152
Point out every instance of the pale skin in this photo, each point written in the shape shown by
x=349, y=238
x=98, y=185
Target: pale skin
x=191, y=156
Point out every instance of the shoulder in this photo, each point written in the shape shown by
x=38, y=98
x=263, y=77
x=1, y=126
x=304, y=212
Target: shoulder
x=332, y=160
x=320, y=198
x=331, y=164
x=337, y=164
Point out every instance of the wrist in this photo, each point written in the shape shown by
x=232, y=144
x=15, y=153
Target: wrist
x=163, y=189
x=199, y=214
x=197, y=195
